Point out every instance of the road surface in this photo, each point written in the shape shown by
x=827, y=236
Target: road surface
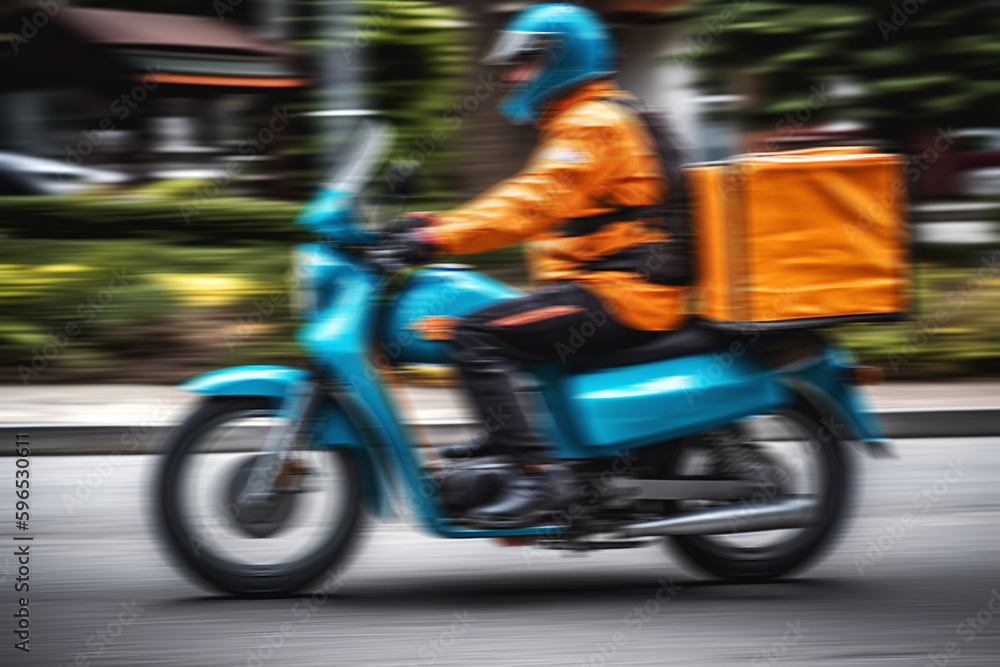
x=914, y=580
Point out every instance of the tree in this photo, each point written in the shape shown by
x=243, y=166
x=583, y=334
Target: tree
x=914, y=65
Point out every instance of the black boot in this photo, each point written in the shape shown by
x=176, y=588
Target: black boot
x=529, y=499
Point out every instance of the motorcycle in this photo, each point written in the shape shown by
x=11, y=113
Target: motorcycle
x=729, y=446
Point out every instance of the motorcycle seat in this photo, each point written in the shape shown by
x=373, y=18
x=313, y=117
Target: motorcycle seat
x=697, y=337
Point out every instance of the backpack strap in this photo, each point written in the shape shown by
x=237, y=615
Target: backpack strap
x=591, y=223
x=671, y=215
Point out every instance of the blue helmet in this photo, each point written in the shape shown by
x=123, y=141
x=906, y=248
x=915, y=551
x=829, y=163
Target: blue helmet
x=574, y=43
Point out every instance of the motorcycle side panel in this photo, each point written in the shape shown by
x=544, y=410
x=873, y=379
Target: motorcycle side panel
x=648, y=403
x=436, y=292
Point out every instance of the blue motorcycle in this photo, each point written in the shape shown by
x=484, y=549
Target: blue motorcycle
x=729, y=446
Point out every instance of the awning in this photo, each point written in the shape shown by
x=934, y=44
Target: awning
x=119, y=28
x=173, y=48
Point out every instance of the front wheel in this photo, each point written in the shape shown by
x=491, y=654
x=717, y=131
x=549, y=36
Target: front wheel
x=244, y=543
x=797, y=456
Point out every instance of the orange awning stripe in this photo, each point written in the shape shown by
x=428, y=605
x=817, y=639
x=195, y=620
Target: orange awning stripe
x=200, y=80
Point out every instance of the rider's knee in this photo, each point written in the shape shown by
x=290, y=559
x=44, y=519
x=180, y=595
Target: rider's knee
x=467, y=335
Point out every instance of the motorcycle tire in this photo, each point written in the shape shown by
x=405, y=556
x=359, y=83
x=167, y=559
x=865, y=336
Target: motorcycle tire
x=242, y=579
x=735, y=564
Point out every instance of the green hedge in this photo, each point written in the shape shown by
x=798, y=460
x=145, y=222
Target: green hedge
x=955, y=331
x=136, y=310
x=178, y=215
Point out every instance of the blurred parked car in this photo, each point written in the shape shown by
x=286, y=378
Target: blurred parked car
x=978, y=172
x=957, y=163
x=26, y=175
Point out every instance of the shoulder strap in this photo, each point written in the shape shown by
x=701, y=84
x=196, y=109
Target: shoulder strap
x=673, y=210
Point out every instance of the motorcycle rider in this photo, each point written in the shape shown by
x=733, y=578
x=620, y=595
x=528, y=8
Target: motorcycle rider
x=578, y=203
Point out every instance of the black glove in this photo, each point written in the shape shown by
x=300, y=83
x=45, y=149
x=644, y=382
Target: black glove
x=411, y=248
x=402, y=250
x=410, y=222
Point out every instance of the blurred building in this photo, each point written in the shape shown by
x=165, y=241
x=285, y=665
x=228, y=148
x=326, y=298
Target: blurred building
x=64, y=77
x=148, y=95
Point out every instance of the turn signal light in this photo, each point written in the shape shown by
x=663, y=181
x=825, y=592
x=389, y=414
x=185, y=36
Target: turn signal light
x=866, y=375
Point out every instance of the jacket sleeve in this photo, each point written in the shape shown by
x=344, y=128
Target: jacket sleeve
x=554, y=184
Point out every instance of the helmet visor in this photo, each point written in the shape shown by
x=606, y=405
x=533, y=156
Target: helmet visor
x=510, y=45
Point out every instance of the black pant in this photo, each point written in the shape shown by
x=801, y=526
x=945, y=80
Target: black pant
x=553, y=324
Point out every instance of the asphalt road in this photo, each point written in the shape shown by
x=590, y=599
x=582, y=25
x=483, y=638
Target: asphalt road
x=918, y=559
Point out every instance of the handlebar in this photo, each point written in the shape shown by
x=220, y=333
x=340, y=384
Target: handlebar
x=384, y=260
x=381, y=254
x=388, y=254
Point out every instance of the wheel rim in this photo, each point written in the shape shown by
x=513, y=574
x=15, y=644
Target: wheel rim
x=206, y=520
x=800, y=468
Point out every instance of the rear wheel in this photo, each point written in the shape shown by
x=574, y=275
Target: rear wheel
x=797, y=456
x=247, y=546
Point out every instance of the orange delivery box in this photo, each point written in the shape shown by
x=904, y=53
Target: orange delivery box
x=801, y=239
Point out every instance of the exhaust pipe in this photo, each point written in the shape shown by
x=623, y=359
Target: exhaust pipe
x=792, y=512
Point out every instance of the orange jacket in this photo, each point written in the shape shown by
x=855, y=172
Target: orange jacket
x=593, y=156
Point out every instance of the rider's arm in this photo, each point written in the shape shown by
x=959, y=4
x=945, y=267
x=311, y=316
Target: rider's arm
x=554, y=184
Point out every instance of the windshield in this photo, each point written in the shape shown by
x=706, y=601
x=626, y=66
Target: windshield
x=334, y=211
x=362, y=154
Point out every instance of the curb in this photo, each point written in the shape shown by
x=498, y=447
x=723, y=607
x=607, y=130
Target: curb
x=80, y=439
x=950, y=423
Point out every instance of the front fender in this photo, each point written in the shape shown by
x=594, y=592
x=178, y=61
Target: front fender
x=275, y=382
x=278, y=383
